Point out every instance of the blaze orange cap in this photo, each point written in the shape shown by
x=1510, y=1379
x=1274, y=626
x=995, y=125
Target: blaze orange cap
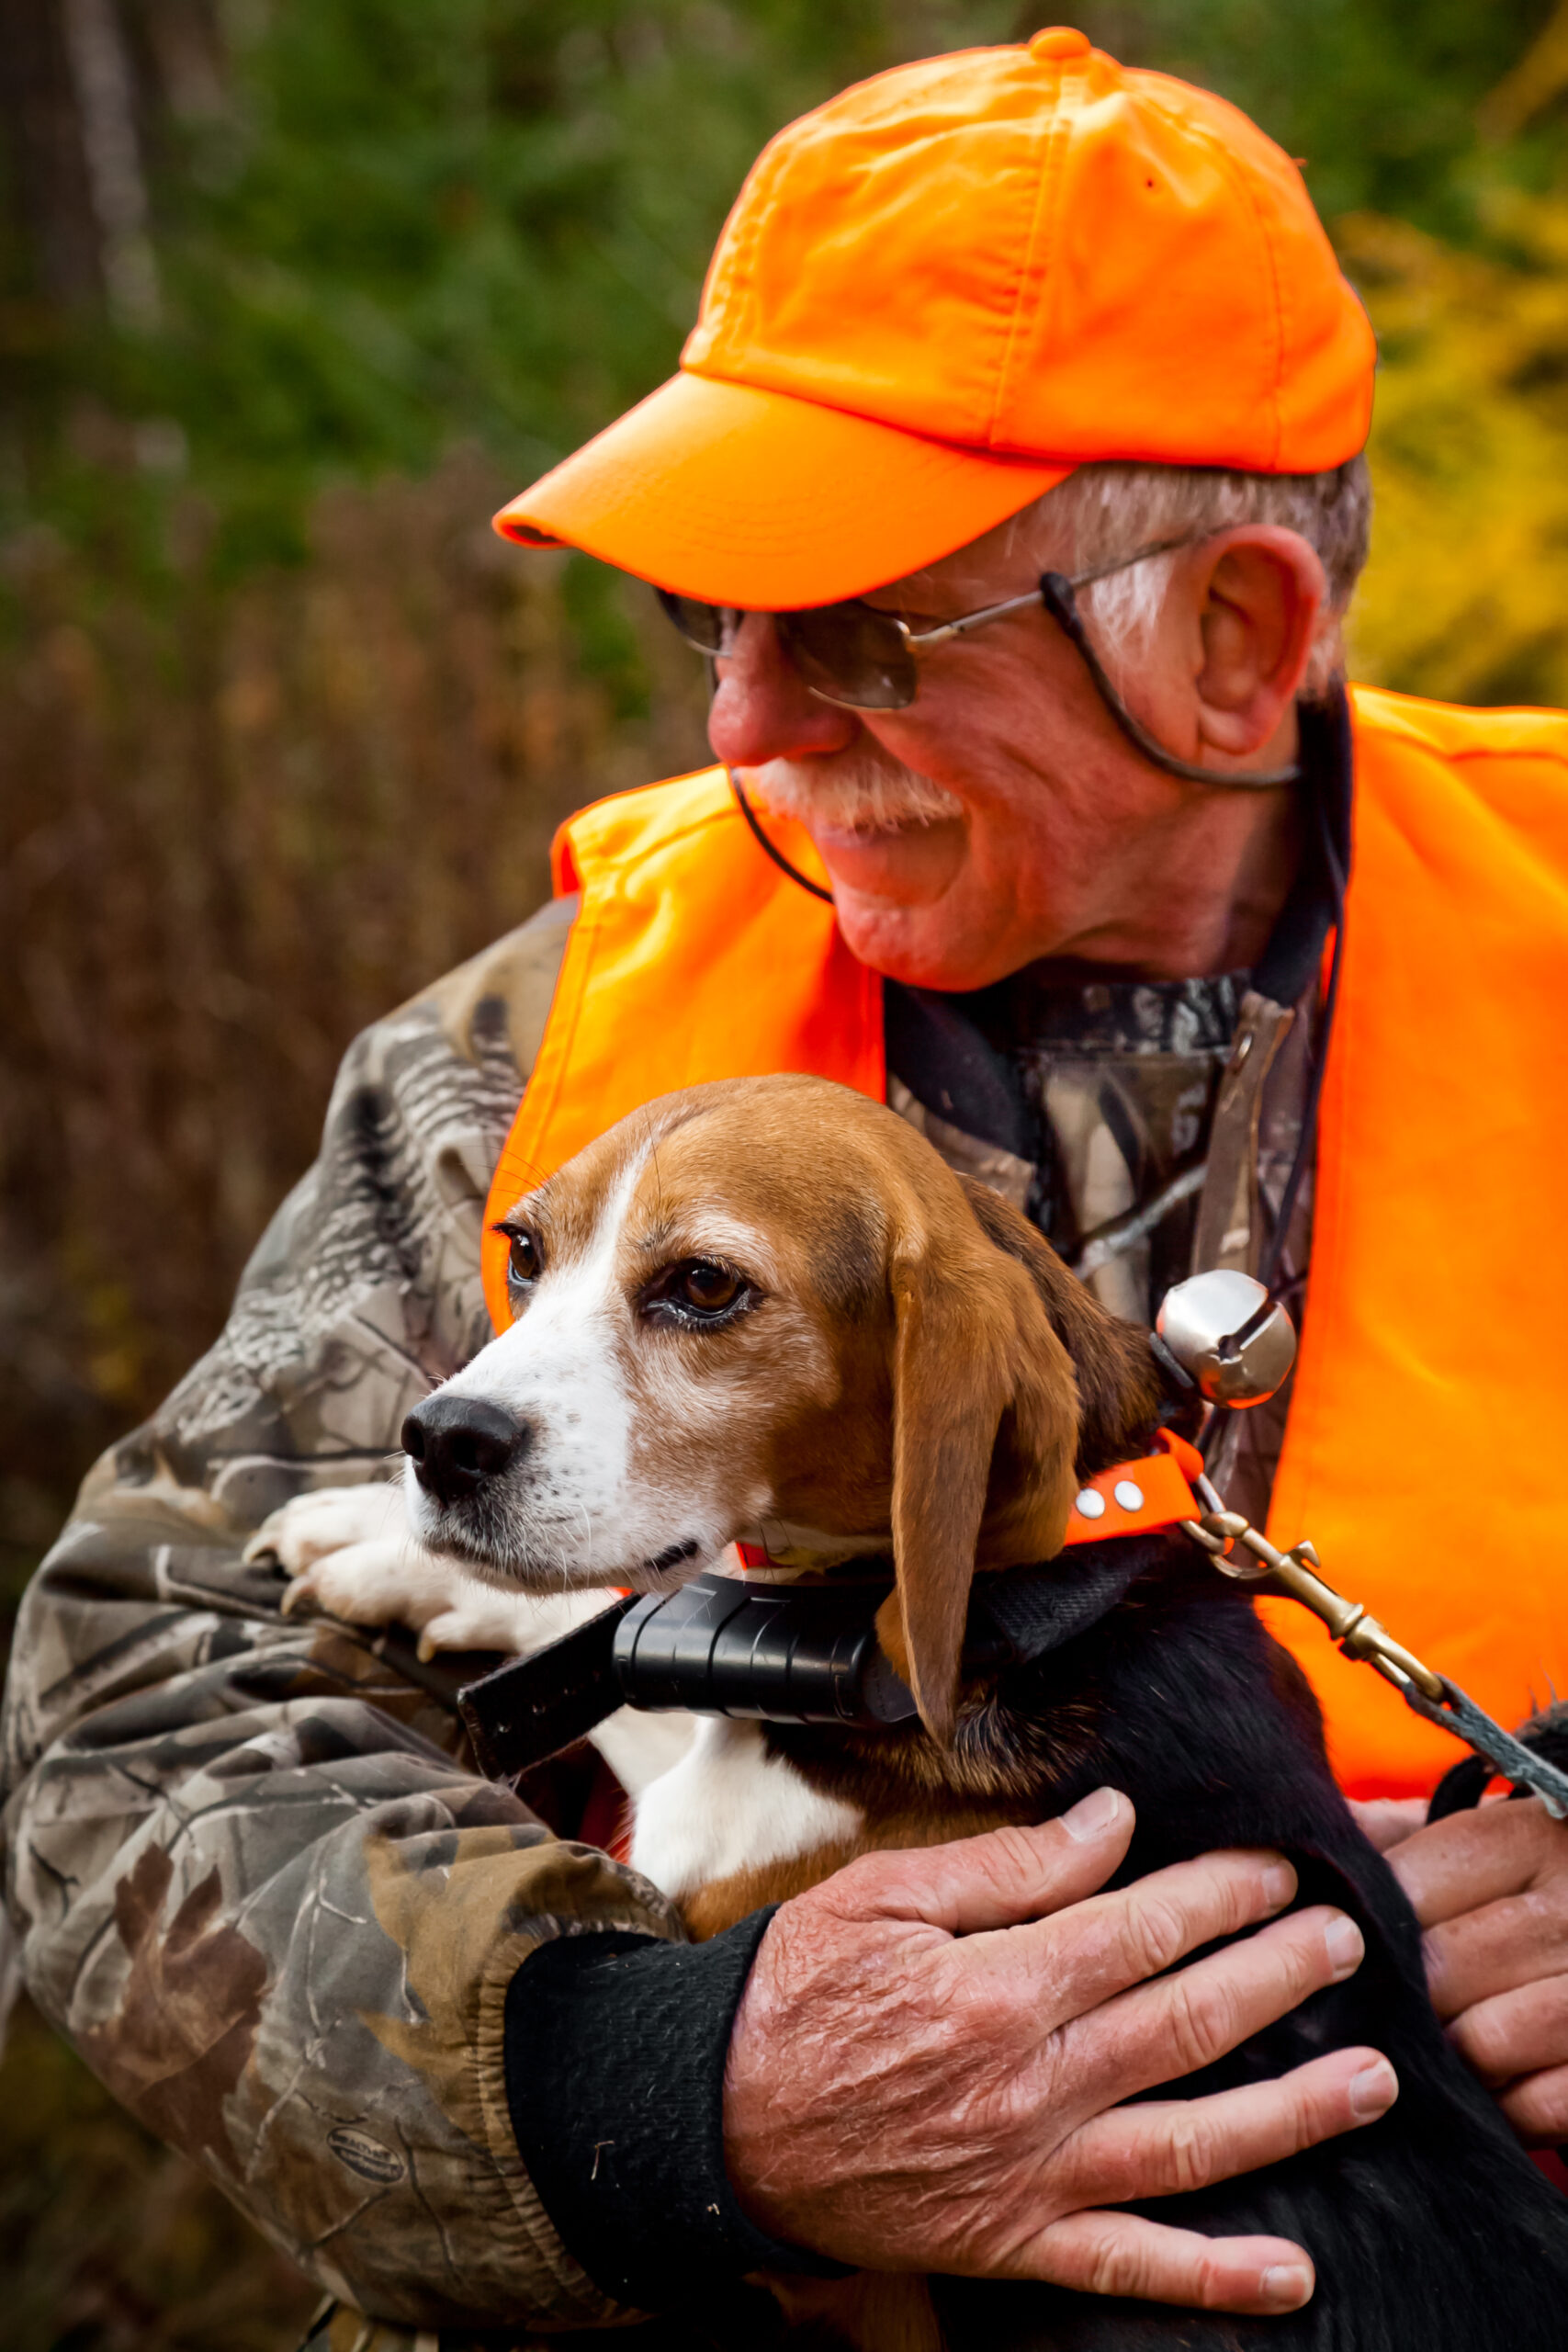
x=942, y=290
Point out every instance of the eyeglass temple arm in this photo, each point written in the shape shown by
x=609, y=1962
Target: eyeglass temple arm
x=920, y=641
x=1056, y=591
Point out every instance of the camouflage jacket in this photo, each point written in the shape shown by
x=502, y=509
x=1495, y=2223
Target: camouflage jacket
x=256, y=1878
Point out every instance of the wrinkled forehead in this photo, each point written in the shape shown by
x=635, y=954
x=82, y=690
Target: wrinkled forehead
x=762, y=1194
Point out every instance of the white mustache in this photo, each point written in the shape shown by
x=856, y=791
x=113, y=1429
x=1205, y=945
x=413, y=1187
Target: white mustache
x=864, y=791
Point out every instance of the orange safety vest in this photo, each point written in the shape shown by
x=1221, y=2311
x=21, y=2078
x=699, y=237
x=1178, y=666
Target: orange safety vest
x=1426, y=1453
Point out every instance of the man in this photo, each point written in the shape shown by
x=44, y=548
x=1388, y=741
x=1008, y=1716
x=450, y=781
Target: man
x=1061, y=881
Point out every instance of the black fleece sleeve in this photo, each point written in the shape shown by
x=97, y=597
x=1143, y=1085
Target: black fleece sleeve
x=614, y=2051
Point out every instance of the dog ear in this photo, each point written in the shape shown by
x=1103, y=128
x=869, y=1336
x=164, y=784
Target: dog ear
x=1119, y=1383
x=982, y=1395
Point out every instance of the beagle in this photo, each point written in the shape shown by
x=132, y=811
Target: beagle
x=765, y=1312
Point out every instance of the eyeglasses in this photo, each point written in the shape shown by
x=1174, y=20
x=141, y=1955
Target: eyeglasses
x=861, y=658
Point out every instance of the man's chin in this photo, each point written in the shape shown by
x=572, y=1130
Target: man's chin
x=900, y=865
x=921, y=945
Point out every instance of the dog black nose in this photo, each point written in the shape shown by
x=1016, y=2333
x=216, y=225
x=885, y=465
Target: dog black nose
x=457, y=1442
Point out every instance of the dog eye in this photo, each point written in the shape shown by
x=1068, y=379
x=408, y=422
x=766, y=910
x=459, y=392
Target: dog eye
x=525, y=1265
x=707, y=1287
x=697, y=1291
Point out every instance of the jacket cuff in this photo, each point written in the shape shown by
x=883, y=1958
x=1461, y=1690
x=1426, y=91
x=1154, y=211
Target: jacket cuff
x=615, y=2055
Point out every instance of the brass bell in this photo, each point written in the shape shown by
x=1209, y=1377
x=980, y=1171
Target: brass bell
x=1226, y=1336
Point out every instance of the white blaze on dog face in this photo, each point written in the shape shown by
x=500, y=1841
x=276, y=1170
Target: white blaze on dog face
x=679, y=1340
x=765, y=1301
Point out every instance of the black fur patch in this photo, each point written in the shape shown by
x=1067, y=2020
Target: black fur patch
x=1431, y=2230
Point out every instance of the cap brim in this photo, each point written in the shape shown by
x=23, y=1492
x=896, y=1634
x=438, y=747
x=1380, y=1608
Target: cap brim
x=741, y=496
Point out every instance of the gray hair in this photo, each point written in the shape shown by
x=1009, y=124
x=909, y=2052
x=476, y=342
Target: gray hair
x=1106, y=510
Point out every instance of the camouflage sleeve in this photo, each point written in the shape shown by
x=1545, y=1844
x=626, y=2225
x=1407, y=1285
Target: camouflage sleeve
x=253, y=1878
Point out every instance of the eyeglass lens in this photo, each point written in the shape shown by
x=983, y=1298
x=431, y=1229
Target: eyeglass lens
x=850, y=653
x=707, y=627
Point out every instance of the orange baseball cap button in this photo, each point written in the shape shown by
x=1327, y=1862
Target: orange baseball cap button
x=1060, y=41
x=942, y=292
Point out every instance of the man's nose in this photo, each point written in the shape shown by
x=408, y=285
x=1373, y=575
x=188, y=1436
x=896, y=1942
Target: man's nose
x=455, y=1444
x=764, y=708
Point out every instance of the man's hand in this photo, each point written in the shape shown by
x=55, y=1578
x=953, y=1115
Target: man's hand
x=930, y=2060
x=1491, y=1890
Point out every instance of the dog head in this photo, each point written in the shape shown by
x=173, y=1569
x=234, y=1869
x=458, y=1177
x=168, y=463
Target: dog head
x=768, y=1304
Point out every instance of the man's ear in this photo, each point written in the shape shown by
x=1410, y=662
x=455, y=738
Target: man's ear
x=973, y=1356
x=1260, y=590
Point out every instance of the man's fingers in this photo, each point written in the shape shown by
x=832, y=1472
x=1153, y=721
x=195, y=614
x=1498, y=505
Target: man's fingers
x=1538, y=2107
x=1516, y=1941
x=1473, y=1859
x=1159, y=2032
x=1163, y=2147
x=1121, y=2253
x=1000, y=1880
x=1388, y=1821
x=1517, y=2032
x=1120, y=1939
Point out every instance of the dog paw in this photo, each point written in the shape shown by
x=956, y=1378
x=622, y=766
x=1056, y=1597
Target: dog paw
x=347, y=1553
x=384, y=1582
x=477, y=1618
x=330, y=1519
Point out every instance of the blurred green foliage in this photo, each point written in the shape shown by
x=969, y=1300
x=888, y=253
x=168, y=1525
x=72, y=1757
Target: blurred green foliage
x=1466, y=596
x=403, y=225
x=1380, y=99
x=386, y=226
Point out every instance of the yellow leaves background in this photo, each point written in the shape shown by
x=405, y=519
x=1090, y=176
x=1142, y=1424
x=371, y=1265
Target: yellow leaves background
x=1466, y=596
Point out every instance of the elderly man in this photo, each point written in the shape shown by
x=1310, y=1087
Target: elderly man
x=1013, y=485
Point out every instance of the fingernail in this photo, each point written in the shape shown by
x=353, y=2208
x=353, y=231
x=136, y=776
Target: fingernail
x=1346, y=1948
x=1278, y=1885
x=1285, y=2286
x=1092, y=1814
x=1373, y=2091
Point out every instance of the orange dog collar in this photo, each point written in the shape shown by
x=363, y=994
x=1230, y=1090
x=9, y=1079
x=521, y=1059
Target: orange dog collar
x=1138, y=1498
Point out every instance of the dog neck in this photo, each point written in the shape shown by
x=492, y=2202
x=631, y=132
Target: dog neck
x=1136, y=1497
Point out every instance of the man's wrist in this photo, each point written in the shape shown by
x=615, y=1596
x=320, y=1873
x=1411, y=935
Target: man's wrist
x=615, y=2049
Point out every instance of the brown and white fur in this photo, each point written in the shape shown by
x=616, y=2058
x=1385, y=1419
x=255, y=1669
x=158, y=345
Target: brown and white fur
x=767, y=1310
x=820, y=1417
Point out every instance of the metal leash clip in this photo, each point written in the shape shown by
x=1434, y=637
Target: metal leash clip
x=1212, y=1358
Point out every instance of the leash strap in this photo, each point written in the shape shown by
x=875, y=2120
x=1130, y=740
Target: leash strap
x=1458, y=1713
x=1226, y=1536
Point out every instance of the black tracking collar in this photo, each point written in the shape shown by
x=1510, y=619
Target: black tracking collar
x=775, y=1653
